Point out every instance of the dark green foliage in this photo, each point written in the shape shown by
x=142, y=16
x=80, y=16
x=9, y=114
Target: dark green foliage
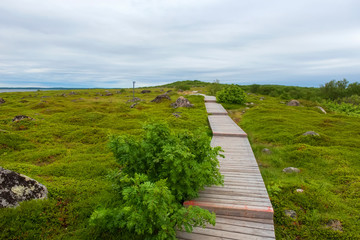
x=334, y=89
x=158, y=173
x=182, y=87
x=185, y=159
x=148, y=210
x=231, y=94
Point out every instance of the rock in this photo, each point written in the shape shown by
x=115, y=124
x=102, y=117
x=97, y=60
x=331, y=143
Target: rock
x=168, y=91
x=181, y=102
x=299, y=190
x=63, y=95
x=291, y=170
x=133, y=105
x=16, y=188
x=160, y=98
x=2, y=101
x=176, y=114
x=291, y=213
x=262, y=98
x=78, y=100
x=266, y=150
x=311, y=133
x=72, y=93
x=321, y=109
x=282, y=102
x=335, y=225
x=136, y=99
x=109, y=94
x=145, y=91
x=21, y=117
x=293, y=103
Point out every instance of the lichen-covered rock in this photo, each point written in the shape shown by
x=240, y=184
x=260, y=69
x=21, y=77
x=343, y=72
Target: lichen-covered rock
x=293, y=103
x=136, y=99
x=21, y=117
x=161, y=98
x=266, y=151
x=15, y=188
x=145, y=91
x=291, y=170
x=181, y=102
x=2, y=101
x=335, y=225
x=310, y=133
x=291, y=213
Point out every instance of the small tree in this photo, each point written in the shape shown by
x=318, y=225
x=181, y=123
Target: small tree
x=231, y=94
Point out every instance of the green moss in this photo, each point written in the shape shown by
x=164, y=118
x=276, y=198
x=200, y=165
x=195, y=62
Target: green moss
x=329, y=164
x=65, y=148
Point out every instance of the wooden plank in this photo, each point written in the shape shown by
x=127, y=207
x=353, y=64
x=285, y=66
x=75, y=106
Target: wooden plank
x=230, y=235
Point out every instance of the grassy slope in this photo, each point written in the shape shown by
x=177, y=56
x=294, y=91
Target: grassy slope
x=329, y=164
x=65, y=148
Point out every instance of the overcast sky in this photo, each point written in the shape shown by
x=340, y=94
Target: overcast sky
x=92, y=43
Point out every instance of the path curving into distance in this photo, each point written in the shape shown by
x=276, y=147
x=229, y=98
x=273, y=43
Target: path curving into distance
x=242, y=206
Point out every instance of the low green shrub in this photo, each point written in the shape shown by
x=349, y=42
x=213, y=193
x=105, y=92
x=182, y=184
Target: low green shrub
x=231, y=94
x=159, y=172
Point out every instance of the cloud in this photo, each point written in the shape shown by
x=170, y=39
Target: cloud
x=111, y=43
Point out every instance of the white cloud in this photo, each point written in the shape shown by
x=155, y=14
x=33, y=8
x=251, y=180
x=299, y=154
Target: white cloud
x=108, y=43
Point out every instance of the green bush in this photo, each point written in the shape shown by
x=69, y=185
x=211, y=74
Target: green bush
x=160, y=172
x=214, y=87
x=182, y=87
x=231, y=94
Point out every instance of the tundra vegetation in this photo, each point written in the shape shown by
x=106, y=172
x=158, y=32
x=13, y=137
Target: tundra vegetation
x=66, y=148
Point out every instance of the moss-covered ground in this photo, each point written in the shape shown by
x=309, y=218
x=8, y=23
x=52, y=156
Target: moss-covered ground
x=65, y=148
x=329, y=164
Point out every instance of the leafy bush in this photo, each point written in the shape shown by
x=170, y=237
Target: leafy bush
x=159, y=172
x=231, y=94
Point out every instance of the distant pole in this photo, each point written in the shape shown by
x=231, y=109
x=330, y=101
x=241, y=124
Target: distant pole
x=133, y=89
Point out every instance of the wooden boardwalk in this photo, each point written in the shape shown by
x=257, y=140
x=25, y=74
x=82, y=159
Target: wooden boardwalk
x=242, y=206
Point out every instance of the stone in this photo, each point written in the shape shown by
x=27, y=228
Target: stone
x=176, y=114
x=136, y=99
x=161, y=98
x=133, y=105
x=168, y=91
x=266, y=150
x=72, y=93
x=291, y=213
x=109, y=94
x=2, y=101
x=321, y=109
x=310, y=133
x=16, y=188
x=262, y=98
x=21, y=117
x=335, y=225
x=182, y=102
x=291, y=170
x=145, y=91
x=293, y=103
x=299, y=190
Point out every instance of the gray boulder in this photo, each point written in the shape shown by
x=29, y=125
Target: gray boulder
x=293, y=103
x=16, y=188
x=161, y=98
x=335, y=225
x=291, y=213
x=182, y=102
x=145, y=91
x=2, y=101
x=310, y=133
x=266, y=150
x=291, y=170
x=21, y=117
